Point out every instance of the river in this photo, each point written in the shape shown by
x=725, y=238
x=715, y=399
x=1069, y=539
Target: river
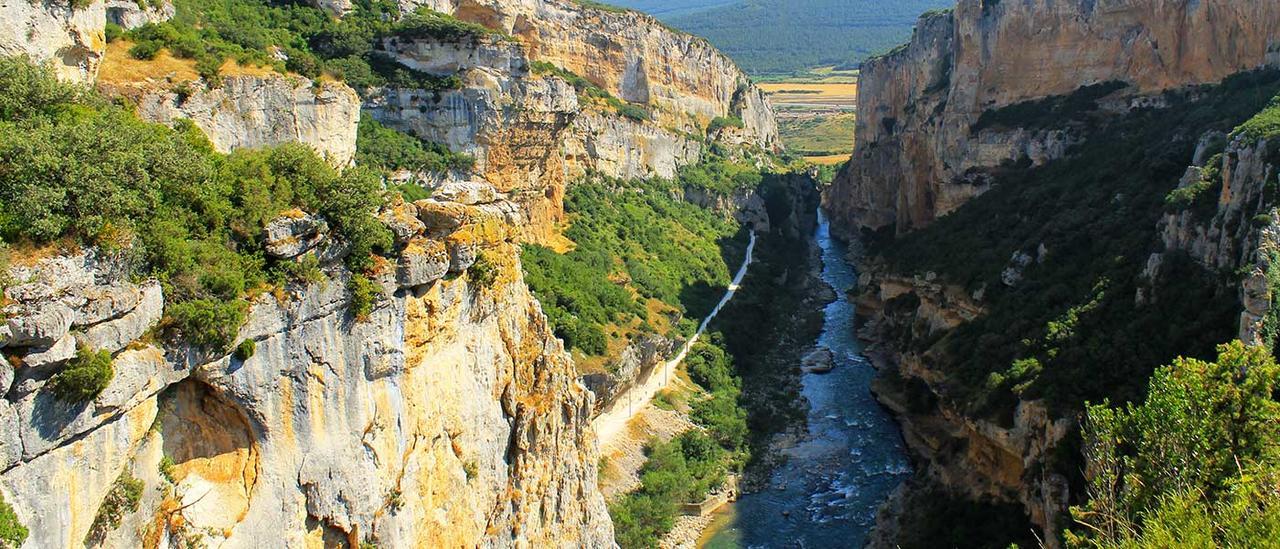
x=827, y=492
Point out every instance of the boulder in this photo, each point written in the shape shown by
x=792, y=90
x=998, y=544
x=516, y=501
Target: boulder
x=402, y=220
x=116, y=334
x=462, y=255
x=466, y=192
x=42, y=328
x=107, y=302
x=820, y=361
x=61, y=351
x=294, y=233
x=441, y=216
x=423, y=261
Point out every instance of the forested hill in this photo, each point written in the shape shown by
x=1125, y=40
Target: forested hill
x=785, y=36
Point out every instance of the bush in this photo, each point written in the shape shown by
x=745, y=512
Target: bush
x=482, y=273
x=207, y=322
x=720, y=122
x=679, y=471
x=12, y=532
x=245, y=350
x=84, y=377
x=123, y=499
x=389, y=150
x=363, y=292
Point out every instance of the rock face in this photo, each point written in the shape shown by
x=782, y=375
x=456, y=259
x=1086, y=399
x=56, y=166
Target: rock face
x=71, y=39
x=256, y=110
x=451, y=416
x=131, y=14
x=920, y=153
x=632, y=56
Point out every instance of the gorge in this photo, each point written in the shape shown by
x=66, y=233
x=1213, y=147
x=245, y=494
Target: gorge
x=539, y=273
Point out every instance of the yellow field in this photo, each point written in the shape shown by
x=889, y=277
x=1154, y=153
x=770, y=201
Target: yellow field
x=816, y=90
x=829, y=160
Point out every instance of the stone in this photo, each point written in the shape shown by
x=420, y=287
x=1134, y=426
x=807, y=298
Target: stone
x=820, y=361
x=402, y=220
x=469, y=193
x=114, y=335
x=107, y=302
x=6, y=376
x=423, y=261
x=294, y=234
x=439, y=216
x=41, y=328
x=131, y=14
x=462, y=255
x=61, y=351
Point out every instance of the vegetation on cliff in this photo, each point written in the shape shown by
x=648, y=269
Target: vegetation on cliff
x=80, y=169
x=1071, y=330
x=300, y=38
x=636, y=242
x=1197, y=464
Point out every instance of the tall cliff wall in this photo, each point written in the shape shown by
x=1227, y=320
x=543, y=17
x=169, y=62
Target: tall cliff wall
x=69, y=38
x=920, y=151
x=632, y=56
x=451, y=416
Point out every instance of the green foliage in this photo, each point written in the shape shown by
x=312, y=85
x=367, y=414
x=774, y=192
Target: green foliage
x=1264, y=125
x=12, y=532
x=387, y=149
x=681, y=470
x=483, y=273
x=245, y=350
x=721, y=412
x=165, y=468
x=630, y=235
x=122, y=499
x=1096, y=213
x=720, y=175
x=721, y=122
x=438, y=26
x=249, y=30
x=363, y=292
x=79, y=167
x=1195, y=465
x=1199, y=196
x=589, y=92
x=1050, y=111
x=786, y=36
x=84, y=377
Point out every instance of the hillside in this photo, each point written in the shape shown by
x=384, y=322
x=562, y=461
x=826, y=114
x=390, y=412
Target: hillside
x=788, y=36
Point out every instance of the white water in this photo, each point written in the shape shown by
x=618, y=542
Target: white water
x=612, y=421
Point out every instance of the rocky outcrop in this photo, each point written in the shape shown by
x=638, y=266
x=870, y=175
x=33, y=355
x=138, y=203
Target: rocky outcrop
x=132, y=14
x=979, y=459
x=69, y=38
x=921, y=149
x=333, y=431
x=632, y=56
x=620, y=147
x=254, y=108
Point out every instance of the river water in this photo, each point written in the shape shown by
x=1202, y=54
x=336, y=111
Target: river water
x=827, y=492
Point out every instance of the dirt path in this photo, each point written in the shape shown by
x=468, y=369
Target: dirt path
x=614, y=420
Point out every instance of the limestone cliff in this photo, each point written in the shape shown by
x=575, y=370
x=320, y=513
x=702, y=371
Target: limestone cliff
x=69, y=38
x=632, y=56
x=450, y=416
x=922, y=146
x=248, y=108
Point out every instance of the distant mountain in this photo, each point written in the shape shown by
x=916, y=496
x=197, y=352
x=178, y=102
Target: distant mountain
x=785, y=36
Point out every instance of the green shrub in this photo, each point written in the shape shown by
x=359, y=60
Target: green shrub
x=1264, y=125
x=429, y=24
x=720, y=122
x=482, y=273
x=122, y=499
x=387, y=149
x=84, y=377
x=12, y=532
x=165, y=468
x=363, y=292
x=245, y=350
x=207, y=322
x=634, y=112
x=679, y=471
